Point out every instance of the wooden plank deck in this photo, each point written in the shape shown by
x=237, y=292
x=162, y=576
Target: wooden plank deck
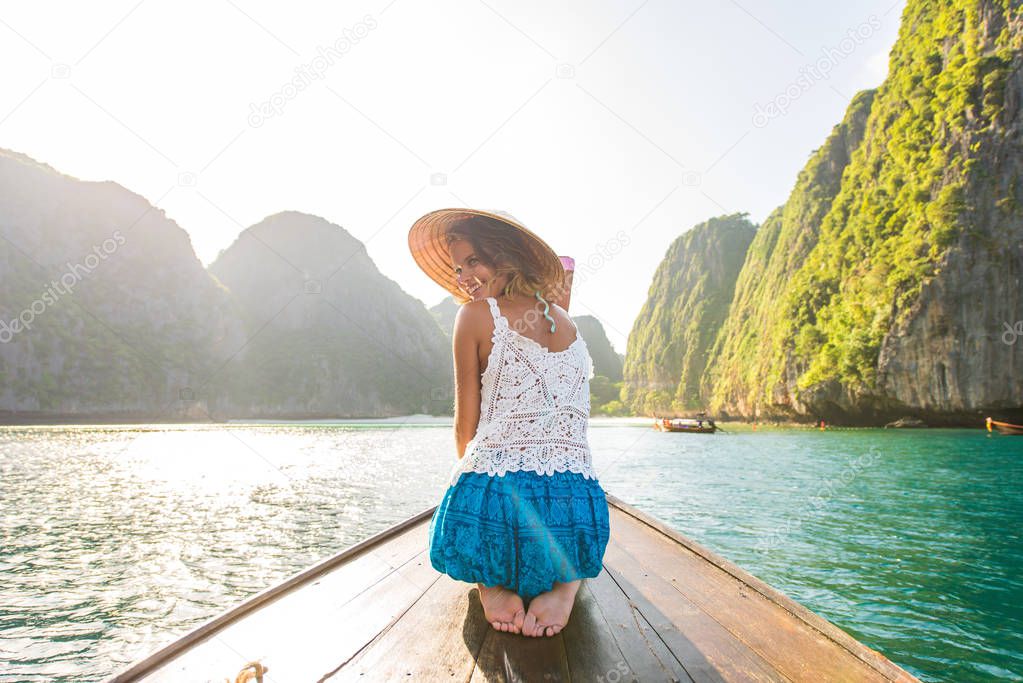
x=663, y=609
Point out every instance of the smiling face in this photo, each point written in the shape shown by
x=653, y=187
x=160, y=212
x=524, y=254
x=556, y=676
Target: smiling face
x=474, y=278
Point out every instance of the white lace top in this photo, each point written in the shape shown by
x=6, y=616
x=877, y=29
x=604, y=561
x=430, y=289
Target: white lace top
x=534, y=407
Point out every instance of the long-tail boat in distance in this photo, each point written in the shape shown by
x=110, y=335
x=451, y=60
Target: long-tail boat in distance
x=683, y=424
x=1004, y=427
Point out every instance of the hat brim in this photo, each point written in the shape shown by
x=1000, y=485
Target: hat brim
x=426, y=241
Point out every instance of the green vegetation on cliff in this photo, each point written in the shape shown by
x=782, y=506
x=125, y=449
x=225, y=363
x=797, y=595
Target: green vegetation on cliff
x=878, y=287
x=903, y=201
x=687, y=303
x=744, y=372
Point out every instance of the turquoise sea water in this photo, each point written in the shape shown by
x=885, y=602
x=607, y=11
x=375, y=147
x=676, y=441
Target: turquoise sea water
x=115, y=540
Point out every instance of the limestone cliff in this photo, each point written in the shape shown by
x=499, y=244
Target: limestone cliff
x=444, y=313
x=886, y=283
x=107, y=314
x=900, y=306
x=104, y=307
x=328, y=335
x=606, y=361
x=743, y=372
x=949, y=352
x=686, y=305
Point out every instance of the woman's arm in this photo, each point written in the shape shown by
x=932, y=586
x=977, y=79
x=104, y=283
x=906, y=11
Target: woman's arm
x=468, y=388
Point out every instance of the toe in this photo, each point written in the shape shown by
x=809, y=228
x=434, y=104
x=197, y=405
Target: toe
x=529, y=624
x=520, y=617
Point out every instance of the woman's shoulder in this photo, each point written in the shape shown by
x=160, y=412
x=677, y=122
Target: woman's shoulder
x=561, y=313
x=559, y=309
x=473, y=318
x=473, y=311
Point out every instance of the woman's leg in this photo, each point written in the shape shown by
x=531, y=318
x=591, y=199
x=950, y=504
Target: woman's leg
x=548, y=612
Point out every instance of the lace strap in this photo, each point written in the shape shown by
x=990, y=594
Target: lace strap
x=496, y=312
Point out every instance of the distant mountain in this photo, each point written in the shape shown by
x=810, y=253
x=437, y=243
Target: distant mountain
x=606, y=361
x=444, y=313
x=106, y=313
x=327, y=334
x=104, y=307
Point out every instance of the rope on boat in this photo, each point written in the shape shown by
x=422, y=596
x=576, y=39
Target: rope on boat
x=251, y=671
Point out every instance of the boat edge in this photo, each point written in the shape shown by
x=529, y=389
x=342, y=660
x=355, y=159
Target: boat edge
x=171, y=650
x=872, y=658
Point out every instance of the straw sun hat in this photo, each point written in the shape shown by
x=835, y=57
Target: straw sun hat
x=430, y=251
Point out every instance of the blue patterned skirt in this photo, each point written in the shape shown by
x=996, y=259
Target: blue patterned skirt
x=522, y=530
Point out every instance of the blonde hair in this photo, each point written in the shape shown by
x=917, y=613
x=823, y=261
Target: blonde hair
x=503, y=249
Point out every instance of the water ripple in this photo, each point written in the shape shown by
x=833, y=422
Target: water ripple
x=118, y=540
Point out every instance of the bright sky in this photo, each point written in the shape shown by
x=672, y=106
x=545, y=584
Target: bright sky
x=609, y=127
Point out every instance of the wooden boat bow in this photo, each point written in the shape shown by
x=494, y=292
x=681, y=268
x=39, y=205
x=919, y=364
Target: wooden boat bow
x=663, y=609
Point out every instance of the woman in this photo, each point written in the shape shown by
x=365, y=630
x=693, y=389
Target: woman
x=524, y=516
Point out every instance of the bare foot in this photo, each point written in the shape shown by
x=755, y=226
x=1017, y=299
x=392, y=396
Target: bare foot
x=548, y=612
x=502, y=607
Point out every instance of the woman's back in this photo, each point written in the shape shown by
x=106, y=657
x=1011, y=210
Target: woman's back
x=524, y=316
x=534, y=406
